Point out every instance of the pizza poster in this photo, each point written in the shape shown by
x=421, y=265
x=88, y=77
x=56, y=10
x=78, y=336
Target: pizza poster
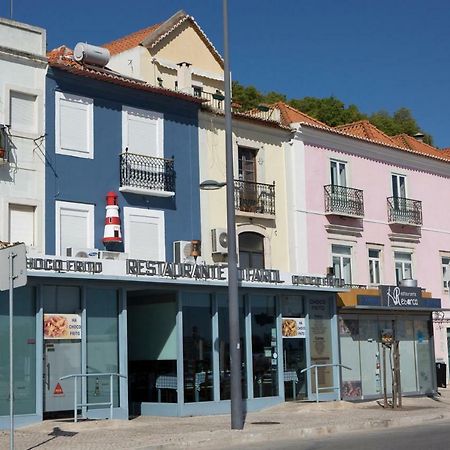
x=62, y=326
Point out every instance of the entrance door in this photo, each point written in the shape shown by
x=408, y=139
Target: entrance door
x=61, y=358
x=294, y=357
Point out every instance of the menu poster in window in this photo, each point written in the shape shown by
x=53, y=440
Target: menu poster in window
x=293, y=327
x=62, y=326
x=320, y=340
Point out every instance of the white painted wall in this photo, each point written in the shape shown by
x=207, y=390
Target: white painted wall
x=22, y=69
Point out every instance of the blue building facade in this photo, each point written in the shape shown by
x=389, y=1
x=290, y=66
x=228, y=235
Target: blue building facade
x=87, y=180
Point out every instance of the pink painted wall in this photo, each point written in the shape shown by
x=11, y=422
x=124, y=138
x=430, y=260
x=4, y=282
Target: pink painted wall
x=374, y=178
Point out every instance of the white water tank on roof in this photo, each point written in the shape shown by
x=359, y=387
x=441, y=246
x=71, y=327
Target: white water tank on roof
x=91, y=54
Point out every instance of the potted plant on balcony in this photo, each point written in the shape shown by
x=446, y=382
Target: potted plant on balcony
x=2, y=145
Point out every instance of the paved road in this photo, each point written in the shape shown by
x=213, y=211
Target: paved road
x=425, y=437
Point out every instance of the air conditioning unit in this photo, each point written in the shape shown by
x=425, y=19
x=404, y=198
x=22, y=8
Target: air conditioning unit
x=73, y=252
x=219, y=238
x=103, y=254
x=182, y=251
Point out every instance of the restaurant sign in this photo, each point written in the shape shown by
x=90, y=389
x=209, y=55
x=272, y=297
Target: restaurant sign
x=62, y=326
x=401, y=297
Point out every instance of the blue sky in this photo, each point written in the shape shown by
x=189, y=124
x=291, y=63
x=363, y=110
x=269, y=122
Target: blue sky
x=382, y=54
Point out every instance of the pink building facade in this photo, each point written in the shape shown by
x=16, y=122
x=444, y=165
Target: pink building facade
x=373, y=214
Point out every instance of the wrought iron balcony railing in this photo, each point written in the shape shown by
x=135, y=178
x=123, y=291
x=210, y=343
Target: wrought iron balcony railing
x=140, y=173
x=344, y=201
x=254, y=197
x=404, y=211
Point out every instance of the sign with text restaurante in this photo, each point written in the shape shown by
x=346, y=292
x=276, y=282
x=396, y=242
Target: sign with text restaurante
x=401, y=297
x=162, y=269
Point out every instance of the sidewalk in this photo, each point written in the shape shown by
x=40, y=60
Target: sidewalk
x=285, y=421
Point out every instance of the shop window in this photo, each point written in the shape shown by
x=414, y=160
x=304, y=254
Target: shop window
x=251, y=250
x=197, y=348
x=342, y=262
x=74, y=125
x=24, y=326
x=144, y=233
x=23, y=112
x=224, y=347
x=264, y=346
x=22, y=224
x=374, y=266
x=102, y=344
x=403, y=266
x=445, y=263
x=74, y=226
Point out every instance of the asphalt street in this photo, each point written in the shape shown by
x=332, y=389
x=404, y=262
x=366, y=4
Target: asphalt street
x=424, y=437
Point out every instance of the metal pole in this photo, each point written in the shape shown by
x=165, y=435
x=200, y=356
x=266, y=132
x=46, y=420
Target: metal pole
x=237, y=422
x=111, y=398
x=11, y=365
x=75, y=406
x=317, y=384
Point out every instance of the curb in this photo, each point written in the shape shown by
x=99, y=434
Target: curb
x=234, y=438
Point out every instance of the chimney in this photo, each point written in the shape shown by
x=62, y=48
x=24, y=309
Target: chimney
x=184, y=77
x=419, y=136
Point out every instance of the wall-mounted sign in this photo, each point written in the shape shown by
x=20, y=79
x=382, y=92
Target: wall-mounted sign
x=64, y=265
x=62, y=326
x=400, y=297
x=317, y=281
x=293, y=327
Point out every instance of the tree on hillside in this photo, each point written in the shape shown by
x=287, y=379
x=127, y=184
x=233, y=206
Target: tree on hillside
x=332, y=111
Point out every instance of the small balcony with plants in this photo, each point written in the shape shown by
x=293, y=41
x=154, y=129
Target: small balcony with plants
x=404, y=211
x=256, y=199
x=147, y=175
x=344, y=201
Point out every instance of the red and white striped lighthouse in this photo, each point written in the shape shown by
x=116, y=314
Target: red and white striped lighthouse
x=112, y=234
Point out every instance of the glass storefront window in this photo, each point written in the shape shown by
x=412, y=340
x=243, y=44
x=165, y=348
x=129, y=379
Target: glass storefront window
x=422, y=338
x=24, y=341
x=152, y=348
x=320, y=314
x=294, y=347
x=102, y=344
x=197, y=347
x=224, y=347
x=264, y=345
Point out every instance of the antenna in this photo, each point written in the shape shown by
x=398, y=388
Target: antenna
x=11, y=8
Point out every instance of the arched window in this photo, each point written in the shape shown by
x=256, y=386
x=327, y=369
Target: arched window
x=251, y=250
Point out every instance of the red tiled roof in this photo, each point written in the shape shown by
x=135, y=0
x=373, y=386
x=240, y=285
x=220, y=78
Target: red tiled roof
x=364, y=129
x=131, y=40
x=291, y=115
x=62, y=58
x=406, y=141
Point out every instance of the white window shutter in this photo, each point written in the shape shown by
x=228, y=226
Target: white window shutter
x=73, y=126
x=74, y=226
x=23, y=115
x=144, y=234
x=21, y=224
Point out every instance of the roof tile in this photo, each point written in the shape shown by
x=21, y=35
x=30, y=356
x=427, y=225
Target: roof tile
x=129, y=41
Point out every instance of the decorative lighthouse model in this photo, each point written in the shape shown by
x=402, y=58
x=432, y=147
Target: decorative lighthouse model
x=112, y=237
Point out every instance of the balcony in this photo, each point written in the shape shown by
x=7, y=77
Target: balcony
x=343, y=201
x=404, y=211
x=148, y=175
x=254, y=198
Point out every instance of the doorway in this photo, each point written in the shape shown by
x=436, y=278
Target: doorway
x=62, y=348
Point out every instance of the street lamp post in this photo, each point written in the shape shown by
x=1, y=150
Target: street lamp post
x=233, y=299
x=237, y=417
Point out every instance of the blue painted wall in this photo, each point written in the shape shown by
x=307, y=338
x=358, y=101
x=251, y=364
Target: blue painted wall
x=88, y=180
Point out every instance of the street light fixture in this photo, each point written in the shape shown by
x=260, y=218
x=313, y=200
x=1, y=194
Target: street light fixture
x=237, y=417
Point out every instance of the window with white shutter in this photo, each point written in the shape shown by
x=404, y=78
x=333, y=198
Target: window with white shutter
x=74, y=125
x=23, y=112
x=74, y=226
x=22, y=224
x=142, y=131
x=144, y=234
